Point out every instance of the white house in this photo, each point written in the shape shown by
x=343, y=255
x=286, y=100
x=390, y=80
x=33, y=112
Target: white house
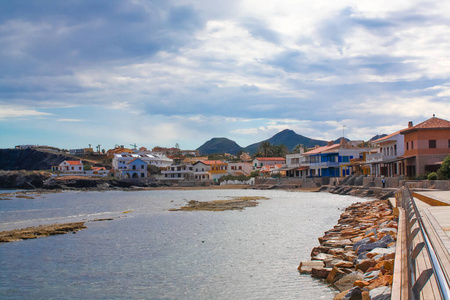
x=331, y=160
x=386, y=161
x=260, y=162
x=239, y=168
x=69, y=166
x=179, y=172
x=121, y=160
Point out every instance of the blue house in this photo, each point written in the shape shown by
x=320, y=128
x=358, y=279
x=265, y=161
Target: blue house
x=136, y=168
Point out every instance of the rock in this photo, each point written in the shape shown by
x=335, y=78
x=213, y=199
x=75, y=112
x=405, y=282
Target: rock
x=361, y=242
x=354, y=293
x=371, y=275
x=342, y=264
x=383, y=280
x=385, y=264
x=322, y=256
x=336, y=251
x=381, y=293
x=382, y=243
x=321, y=273
x=365, y=265
x=335, y=275
x=316, y=250
x=337, y=243
x=305, y=267
x=380, y=252
x=347, y=281
x=361, y=283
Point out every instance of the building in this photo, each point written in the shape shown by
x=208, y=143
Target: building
x=426, y=144
x=121, y=160
x=332, y=160
x=81, y=151
x=69, y=166
x=135, y=168
x=260, y=162
x=118, y=150
x=239, y=168
x=386, y=161
x=184, y=172
x=210, y=170
x=175, y=151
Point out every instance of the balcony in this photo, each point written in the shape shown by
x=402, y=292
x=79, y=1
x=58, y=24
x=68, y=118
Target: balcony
x=379, y=157
x=325, y=164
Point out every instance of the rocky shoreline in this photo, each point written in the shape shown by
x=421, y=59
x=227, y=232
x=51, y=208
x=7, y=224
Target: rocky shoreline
x=237, y=203
x=357, y=255
x=40, y=231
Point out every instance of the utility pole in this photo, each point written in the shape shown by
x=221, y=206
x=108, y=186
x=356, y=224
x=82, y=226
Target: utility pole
x=343, y=127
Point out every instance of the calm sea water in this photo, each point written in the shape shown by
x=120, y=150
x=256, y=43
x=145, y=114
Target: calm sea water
x=153, y=253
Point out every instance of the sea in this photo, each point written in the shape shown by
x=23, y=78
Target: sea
x=150, y=252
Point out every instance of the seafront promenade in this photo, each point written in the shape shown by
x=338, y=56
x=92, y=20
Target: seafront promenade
x=422, y=263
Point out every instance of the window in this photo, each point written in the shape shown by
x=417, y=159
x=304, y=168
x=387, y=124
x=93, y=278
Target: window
x=142, y=167
x=432, y=144
x=412, y=145
x=449, y=143
x=407, y=146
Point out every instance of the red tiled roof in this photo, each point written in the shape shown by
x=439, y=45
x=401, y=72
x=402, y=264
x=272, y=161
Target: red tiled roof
x=387, y=137
x=270, y=158
x=432, y=123
x=74, y=162
x=323, y=148
x=212, y=162
x=134, y=160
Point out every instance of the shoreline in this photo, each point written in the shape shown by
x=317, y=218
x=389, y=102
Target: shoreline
x=335, y=260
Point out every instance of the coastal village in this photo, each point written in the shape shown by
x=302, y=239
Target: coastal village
x=413, y=152
x=374, y=252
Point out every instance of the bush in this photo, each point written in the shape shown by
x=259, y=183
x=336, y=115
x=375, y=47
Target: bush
x=432, y=176
x=444, y=171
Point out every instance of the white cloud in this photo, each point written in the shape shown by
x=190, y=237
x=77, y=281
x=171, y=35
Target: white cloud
x=12, y=111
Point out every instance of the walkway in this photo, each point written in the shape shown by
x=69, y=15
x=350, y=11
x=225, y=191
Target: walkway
x=434, y=207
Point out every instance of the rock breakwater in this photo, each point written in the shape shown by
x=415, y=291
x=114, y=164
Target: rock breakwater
x=357, y=255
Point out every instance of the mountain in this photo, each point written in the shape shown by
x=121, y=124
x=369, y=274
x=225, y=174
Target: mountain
x=378, y=136
x=289, y=138
x=219, y=145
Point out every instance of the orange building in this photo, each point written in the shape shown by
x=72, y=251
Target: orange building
x=426, y=144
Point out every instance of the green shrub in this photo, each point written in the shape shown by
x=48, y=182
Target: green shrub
x=432, y=176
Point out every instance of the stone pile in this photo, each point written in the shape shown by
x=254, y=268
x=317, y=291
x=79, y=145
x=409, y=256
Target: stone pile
x=357, y=255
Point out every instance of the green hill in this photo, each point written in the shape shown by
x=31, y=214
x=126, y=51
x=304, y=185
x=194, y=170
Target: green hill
x=219, y=145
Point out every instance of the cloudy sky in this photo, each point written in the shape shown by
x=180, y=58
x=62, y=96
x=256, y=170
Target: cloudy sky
x=162, y=72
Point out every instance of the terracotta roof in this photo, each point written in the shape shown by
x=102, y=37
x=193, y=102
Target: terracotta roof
x=134, y=160
x=74, y=162
x=323, y=148
x=388, y=136
x=270, y=158
x=432, y=123
x=212, y=162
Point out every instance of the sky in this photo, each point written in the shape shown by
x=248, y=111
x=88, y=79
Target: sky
x=162, y=72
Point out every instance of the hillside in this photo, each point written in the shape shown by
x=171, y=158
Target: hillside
x=219, y=145
x=32, y=159
x=289, y=138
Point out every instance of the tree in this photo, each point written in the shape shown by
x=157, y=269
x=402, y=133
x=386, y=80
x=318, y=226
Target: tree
x=87, y=167
x=280, y=150
x=265, y=148
x=444, y=171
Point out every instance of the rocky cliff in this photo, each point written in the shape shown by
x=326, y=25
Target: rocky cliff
x=30, y=159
